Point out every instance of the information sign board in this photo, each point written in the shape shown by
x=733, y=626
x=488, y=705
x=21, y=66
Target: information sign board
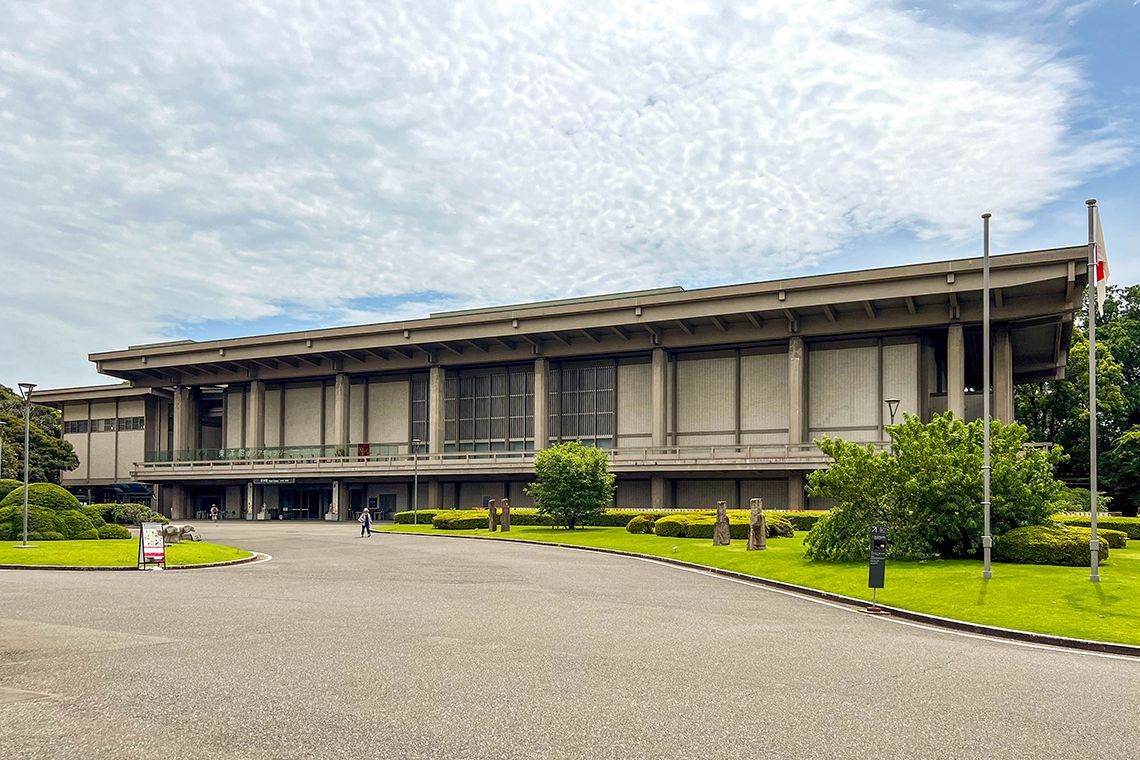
x=152, y=546
x=878, y=569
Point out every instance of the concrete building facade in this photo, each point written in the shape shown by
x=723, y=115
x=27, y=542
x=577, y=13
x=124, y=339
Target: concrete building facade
x=699, y=395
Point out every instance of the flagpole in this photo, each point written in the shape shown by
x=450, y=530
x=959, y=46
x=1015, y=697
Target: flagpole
x=1094, y=544
x=987, y=539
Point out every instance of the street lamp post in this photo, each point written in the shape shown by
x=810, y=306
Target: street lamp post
x=892, y=407
x=26, y=391
x=416, y=480
x=987, y=539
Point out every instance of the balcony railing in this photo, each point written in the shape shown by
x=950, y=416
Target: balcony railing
x=369, y=458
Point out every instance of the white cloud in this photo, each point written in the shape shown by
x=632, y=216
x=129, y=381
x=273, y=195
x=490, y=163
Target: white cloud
x=164, y=164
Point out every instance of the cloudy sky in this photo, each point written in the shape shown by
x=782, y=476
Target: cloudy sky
x=209, y=169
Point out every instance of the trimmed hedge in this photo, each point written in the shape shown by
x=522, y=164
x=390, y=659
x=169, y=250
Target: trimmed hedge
x=48, y=535
x=47, y=495
x=1116, y=539
x=461, y=519
x=421, y=516
x=75, y=524
x=94, y=513
x=1129, y=525
x=40, y=521
x=641, y=524
x=701, y=524
x=7, y=485
x=131, y=514
x=111, y=530
x=1047, y=545
x=88, y=534
x=801, y=519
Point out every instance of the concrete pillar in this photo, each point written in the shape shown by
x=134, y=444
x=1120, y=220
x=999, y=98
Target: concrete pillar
x=179, y=502
x=797, y=390
x=658, y=393
x=657, y=490
x=796, y=497
x=255, y=416
x=434, y=492
x=435, y=410
x=340, y=505
x=956, y=371
x=541, y=409
x=340, y=413
x=1003, y=375
x=185, y=419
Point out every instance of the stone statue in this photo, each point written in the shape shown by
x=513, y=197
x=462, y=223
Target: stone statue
x=492, y=515
x=505, y=516
x=757, y=526
x=721, y=534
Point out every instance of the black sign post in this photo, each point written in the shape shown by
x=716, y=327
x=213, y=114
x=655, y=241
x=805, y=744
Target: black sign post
x=876, y=577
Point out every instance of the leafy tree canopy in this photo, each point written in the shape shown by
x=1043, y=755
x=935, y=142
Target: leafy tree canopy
x=49, y=454
x=572, y=483
x=927, y=489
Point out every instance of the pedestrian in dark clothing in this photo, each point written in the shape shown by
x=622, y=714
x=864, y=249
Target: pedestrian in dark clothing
x=365, y=523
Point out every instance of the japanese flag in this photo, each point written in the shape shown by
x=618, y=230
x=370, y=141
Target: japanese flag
x=1101, y=266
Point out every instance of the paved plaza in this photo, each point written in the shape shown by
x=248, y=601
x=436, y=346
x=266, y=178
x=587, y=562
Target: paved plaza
x=411, y=647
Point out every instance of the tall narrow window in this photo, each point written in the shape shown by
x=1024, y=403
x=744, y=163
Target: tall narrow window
x=582, y=404
x=420, y=407
x=493, y=409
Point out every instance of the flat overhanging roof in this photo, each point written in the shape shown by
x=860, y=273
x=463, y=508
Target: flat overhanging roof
x=1028, y=286
x=58, y=396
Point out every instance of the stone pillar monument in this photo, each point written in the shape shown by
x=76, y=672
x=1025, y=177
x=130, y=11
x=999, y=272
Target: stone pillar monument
x=721, y=533
x=492, y=515
x=505, y=516
x=757, y=526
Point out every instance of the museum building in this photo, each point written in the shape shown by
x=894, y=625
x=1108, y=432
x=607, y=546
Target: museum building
x=700, y=395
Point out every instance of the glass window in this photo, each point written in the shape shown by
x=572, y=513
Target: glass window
x=582, y=404
x=494, y=409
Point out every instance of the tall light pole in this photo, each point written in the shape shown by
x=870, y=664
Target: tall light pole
x=987, y=539
x=26, y=391
x=415, y=480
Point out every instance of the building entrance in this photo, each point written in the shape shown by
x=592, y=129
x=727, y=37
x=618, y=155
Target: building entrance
x=304, y=502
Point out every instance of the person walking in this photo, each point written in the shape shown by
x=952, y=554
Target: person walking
x=365, y=523
x=214, y=512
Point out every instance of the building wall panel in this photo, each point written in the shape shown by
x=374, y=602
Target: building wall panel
x=634, y=415
x=76, y=411
x=356, y=432
x=633, y=494
x=705, y=390
x=132, y=447
x=704, y=494
x=235, y=418
x=843, y=392
x=389, y=410
x=133, y=407
x=774, y=492
x=330, y=413
x=900, y=378
x=101, y=455
x=519, y=497
x=273, y=417
x=101, y=410
x=471, y=493
x=78, y=442
x=302, y=421
x=764, y=397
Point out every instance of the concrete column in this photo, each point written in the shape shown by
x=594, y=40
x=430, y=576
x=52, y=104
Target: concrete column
x=339, y=508
x=657, y=491
x=179, y=502
x=541, y=410
x=435, y=409
x=184, y=433
x=796, y=496
x=1003, y=375
x=434, y=492
x=956, y=371
x=659, y=401
x=340, y=412
x=797, y=390
x=255, y=417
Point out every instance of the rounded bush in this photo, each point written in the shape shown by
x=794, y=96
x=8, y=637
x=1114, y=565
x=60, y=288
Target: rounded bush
x=40, y=520
x=111, y=530
x=422, y=516
x=1129, y=525
x=46, y=495
x=640, y=524
x=131, y=514
x=1116, y=539
x=90, y=533
x=801, y=519
x=7, y=485
x=74, y=522
x=701, y=525
x=670, y=526
x=94, y=513
x=1047, y=545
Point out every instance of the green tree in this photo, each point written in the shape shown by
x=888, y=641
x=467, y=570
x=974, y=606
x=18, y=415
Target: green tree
x=927, y=489
x=49, y=454
x=1122, y=471
x=572, y=483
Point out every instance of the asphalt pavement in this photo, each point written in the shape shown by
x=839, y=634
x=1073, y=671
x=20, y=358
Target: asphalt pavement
x=410, y=647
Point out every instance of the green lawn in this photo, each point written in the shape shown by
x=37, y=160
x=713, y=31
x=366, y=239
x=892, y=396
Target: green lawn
x=1055, y=600
x=112, y=552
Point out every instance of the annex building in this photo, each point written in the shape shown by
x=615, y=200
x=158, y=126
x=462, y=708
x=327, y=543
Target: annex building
x=699, y=395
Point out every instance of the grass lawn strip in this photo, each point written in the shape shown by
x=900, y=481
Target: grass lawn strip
x=113, y=553
x=1060, y=601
